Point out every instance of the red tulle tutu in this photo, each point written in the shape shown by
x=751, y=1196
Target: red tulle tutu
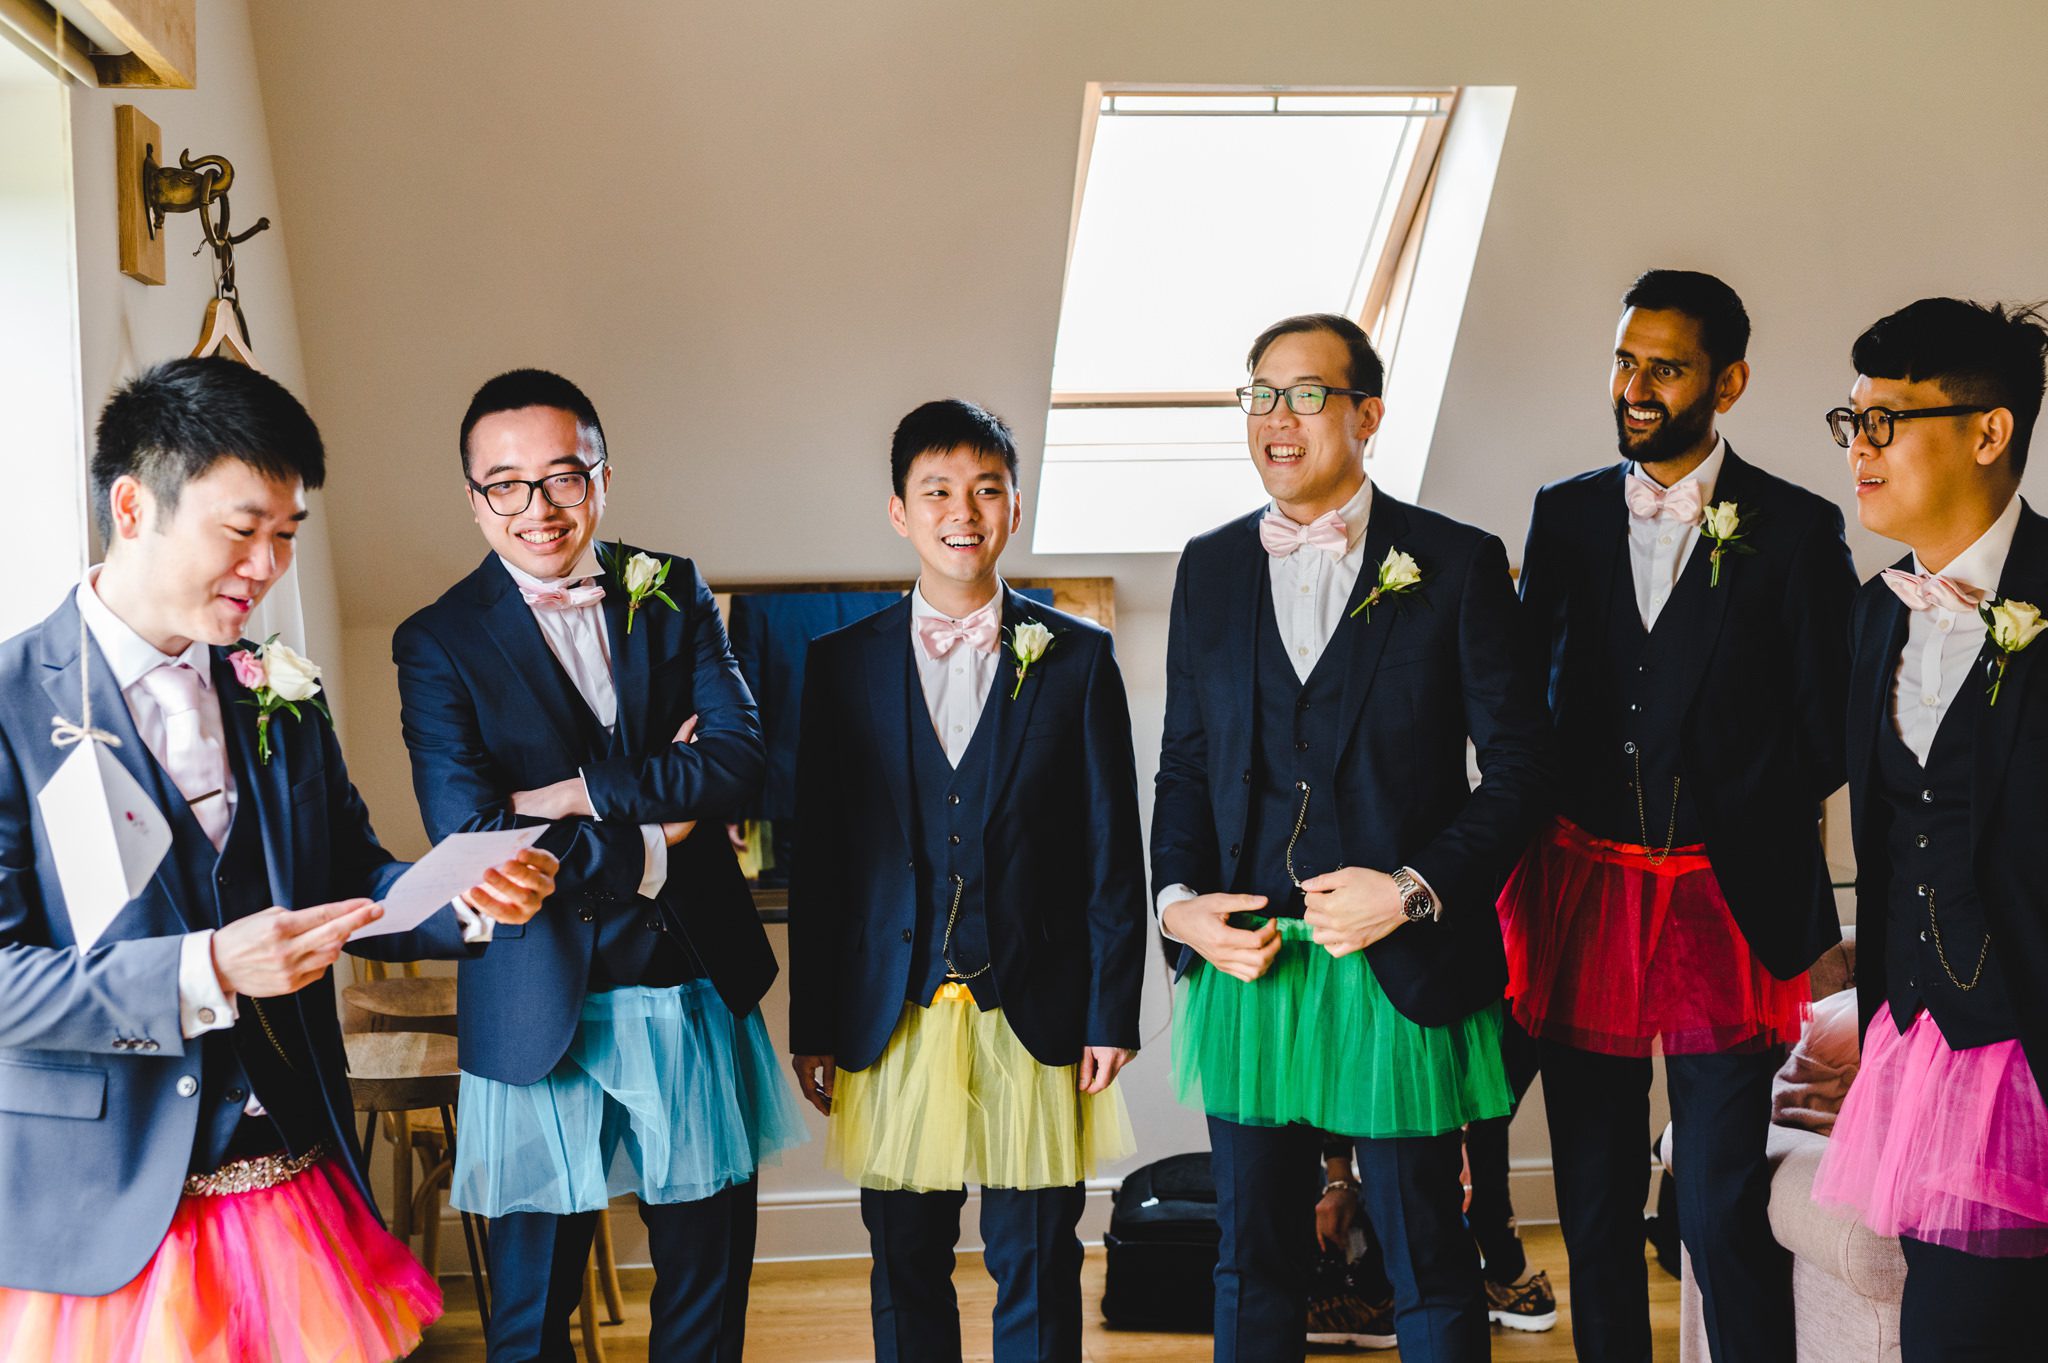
x=299, y=1273
x=1610, y=953
x=1949, y=1147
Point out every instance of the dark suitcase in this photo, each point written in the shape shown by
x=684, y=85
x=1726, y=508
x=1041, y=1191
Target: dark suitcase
x=1161, y=1248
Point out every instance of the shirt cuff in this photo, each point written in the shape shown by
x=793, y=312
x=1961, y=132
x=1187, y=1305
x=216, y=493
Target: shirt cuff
x=656, y=874
x=203, y=1005
x=1172, y=894
x=475, y=927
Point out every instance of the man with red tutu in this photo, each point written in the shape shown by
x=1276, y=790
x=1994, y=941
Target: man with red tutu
x=1943, y=1140
x=1691, y=610
x=1327, y=658
x=178, y=1177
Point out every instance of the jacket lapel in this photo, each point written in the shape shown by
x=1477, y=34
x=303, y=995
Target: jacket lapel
x=888, y=687
x=65, y=669
x=1882, y=637
x=1012, y=717
x=509, y=622
x=1368, y=637
x=630, y=653
x=1231, y=661
x=1703, y=608
x=1607, y=545
x=2024, y=578
x=266, y=785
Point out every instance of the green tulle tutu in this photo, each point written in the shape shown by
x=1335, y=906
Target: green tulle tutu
x=1316, y=1040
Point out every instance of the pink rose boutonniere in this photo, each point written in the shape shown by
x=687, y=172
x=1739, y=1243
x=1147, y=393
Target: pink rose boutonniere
x=277, y=679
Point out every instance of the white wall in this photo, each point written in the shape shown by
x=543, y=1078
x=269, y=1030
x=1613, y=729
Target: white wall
x=758, y=234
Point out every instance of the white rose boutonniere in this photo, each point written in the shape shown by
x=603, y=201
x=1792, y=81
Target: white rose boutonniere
x=277, y=679
x=1724, y=524
x=1399, y=574
x=2013, y=625
x=641, y=577
x=1029, y=642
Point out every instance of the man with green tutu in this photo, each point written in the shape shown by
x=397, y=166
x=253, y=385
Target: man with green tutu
x=1323, y=861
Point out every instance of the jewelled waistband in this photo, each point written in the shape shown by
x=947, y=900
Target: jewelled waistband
x=253, y=1175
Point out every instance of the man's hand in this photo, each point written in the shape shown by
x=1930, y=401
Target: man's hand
x=1202, y=923
x=1099, y=1065
x=1351, y=908
x=561, y=800
x=514, y=891
x=281, y=951
x=1337, y=1210
x=814, y=1075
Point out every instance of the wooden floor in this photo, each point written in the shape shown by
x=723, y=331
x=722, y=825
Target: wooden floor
x=817, y=1312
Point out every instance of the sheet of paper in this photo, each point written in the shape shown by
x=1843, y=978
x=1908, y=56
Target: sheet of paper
x=106, y=835
x=457, y=862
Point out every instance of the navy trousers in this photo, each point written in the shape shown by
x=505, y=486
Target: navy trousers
x=1961, y=1308
x=1031, y=1251
x=1599, y=1112
x=703, y=1255
x=1266, y=1184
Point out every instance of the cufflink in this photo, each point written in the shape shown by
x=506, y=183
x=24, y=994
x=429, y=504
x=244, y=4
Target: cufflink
x=206, y=1017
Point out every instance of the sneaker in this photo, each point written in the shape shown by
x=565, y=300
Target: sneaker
x=1526, y=1305
x=1348, y=1318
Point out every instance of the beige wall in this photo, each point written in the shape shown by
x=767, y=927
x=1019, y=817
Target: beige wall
x=760, y=233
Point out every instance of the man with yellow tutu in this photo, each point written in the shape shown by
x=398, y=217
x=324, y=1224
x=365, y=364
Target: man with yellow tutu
x=1325, y=862
x=967, y=920
x=178, y=1175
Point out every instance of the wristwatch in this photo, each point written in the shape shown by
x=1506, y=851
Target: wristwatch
x=1416, y=900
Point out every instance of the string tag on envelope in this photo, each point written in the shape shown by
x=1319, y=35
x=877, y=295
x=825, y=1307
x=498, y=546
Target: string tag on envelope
x=105, y=833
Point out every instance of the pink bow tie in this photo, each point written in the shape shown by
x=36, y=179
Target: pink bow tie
x=1679, y=502
x=1282, y=536
x=1926, y=591
x=941, y=636
x=563, y=597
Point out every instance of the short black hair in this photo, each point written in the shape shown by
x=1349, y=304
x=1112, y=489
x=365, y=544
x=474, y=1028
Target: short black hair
x=176, y=420
x=1981, y=354
x=1367, y=374
x=949, y=424
x=1707, y=299
x=517, y=388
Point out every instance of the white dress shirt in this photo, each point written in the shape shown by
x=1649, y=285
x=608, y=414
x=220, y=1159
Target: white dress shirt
x=956, y=686
x=1658, y=549
x=1311, y=587
x=1940, y=653
x=577, y=638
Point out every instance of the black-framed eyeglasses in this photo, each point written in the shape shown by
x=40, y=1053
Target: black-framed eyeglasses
x=1303, y=399
x=1876, y=422
x=511, y=496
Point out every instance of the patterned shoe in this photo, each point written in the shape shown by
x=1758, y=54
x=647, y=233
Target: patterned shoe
x=1348, y=1318
x=1526, y=1305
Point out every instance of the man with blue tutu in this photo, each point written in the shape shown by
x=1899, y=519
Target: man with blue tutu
x=1323, y=860
x=617, y=1045
x=181, y=1176
x=1677, y=899
x=967, y=919
x=1943, y=1139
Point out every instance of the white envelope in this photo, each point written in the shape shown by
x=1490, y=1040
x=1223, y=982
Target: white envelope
x=106, y=836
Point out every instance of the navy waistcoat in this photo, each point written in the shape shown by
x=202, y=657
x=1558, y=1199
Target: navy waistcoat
x=949, y=808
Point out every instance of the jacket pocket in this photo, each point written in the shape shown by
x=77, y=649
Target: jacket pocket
x=53, y=1090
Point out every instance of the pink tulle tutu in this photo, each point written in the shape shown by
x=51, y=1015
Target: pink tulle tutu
x=1608, y=952
x=297, y=1273
x=1949, y=1147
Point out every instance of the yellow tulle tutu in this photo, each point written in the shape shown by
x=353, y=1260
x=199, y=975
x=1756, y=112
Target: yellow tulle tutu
x=956, y=1099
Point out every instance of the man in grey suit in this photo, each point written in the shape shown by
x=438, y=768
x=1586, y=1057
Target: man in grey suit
x=177, y=1172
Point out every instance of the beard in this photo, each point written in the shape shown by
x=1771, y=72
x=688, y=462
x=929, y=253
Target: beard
x=1678, y=432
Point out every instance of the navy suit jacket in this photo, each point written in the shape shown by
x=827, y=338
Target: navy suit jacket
x=96, y=1136
x=1064, y=858
x=2008, y=798
x=1765, y=668
x=1427, y=670
x=487, y=710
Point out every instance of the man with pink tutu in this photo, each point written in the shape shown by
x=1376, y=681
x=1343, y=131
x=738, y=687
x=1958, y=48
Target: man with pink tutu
x=1943, y=1139
x=1691, y=610
x=178, y=1179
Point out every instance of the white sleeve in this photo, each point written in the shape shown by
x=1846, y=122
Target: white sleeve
x=203, y=1005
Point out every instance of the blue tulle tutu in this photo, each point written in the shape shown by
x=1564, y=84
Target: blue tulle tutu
x=663, y=1094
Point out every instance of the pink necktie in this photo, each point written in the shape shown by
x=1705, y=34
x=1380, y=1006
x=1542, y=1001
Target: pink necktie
x=563, y=596
x=190, y=749
x=1679, y=502
x=941, y=636
x=1283, y=536
x=1926, y=591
